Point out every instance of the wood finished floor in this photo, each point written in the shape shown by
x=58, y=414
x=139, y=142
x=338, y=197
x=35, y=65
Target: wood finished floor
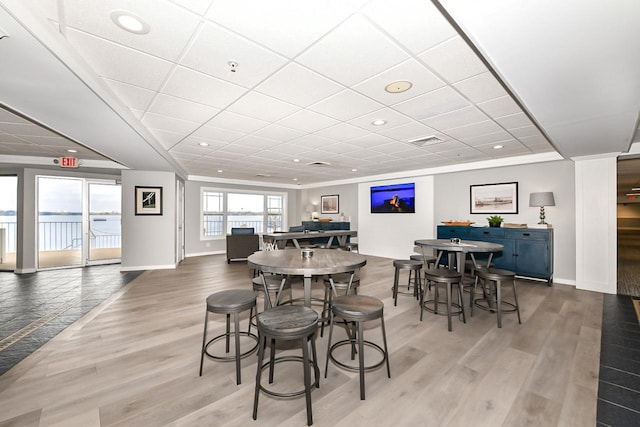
x=134, y=360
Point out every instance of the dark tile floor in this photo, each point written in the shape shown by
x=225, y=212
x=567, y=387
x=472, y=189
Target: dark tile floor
x=619, y=381
x=36, y=307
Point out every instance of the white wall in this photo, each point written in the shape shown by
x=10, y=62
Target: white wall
x=148, y=241
x=452, y=202
x=596, y=242
x=392, y=235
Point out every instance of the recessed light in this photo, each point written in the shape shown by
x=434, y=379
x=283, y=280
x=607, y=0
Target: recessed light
x=296, y=160
x=398, y=87
x=220, y=171
x=379, y=122
x=354, y=170
x=295, y=179
x=497, y=147
x=129, y=22
x=71, y=150
x=203, y=144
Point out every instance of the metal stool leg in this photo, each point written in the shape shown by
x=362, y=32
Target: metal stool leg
x=361, y=357
x=515, y=297
x=204, y=340
x=307, y=378
x=236, y=321
x=396, y=277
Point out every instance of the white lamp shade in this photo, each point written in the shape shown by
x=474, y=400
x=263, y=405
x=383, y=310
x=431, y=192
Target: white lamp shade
x=541, y=199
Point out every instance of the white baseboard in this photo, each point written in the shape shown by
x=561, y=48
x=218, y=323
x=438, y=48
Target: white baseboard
x=148, y=267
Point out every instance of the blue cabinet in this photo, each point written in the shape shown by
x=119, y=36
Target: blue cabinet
x=527, y=252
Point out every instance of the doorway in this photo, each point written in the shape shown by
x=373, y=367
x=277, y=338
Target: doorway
x=78, y=222
x=628, y=227
x=8, y=223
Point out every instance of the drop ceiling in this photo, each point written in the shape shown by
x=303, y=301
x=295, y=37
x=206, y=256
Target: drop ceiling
x=308, y=80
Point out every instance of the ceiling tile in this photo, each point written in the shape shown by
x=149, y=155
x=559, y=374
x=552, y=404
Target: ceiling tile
x=431, y=104
x=298, y=85
x=198, y=6
x=307, y=121
x=352, y=52
x=255, y=143
x=278, y=133
x=474, y=129
x=166, y=138
x=391, y=117
x=290, y=25
x=371, y=141
x=211, y=133
x=157, y=121
x=455, y=119
x=171, y=26
x=7, y=117
x=236, y=122
x=514, y=121
x=489, y=138
x=499, y=107
x=410, y=131
x=480, y=88
x=525, y=131
x=132, y=96
x=215, y=47
x=342, y=132
x=262, y=107
x=120, y=63
x=417, y=24
x=509, y=148
x=201, y=88
x=453, y=60
x=178, y=108
x=194, y=141
x=421, y=78
x=346, y=105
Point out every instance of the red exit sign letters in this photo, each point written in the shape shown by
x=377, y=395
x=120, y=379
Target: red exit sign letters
x=68, y=162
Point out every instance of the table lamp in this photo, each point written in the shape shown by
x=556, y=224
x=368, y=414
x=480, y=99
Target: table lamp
x=541, y=199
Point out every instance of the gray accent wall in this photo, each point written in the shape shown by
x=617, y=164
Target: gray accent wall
x=452, y=203
x=348, y=202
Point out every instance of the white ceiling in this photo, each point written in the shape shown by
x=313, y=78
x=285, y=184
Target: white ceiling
x=310, y=80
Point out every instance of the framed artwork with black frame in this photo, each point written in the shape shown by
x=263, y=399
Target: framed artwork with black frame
x=148, y=200
x=501, y=198
x=330, y=204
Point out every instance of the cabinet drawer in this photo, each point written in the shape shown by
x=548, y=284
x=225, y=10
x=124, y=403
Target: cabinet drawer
x=486, y=232
x=528, y=234
x=446, y=232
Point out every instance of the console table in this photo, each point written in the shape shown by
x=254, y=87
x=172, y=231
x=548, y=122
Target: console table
x=527, y=252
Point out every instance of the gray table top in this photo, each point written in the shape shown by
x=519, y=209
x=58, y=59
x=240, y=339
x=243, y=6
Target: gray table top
x=463, y=246
x=310, y=234
x=291, y=261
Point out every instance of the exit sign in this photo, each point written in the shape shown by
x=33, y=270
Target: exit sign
x=68, y=162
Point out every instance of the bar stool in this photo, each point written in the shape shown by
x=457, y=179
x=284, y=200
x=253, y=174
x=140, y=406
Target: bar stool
x=447, y=277
x=288, y=322
x=431, y=263
x=357, y=309
x=492, y=300
x=341, y=282
x=412, y=266
x=273, y=283
x=232, y=301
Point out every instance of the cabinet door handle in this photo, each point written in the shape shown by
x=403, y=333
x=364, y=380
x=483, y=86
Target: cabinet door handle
x=485, y=232
x=526, y=234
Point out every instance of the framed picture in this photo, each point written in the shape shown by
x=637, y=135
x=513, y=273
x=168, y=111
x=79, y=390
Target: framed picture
x=494, y=198
x=329, y=204
x=148, y=200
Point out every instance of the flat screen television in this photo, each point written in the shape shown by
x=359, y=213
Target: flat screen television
x=395, y=198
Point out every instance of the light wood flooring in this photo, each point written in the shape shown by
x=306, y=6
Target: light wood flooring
x=134, y=359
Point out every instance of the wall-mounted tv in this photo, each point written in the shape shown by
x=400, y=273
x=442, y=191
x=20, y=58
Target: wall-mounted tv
x=395, y=198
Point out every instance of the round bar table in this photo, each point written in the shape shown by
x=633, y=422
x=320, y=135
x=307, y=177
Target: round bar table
x=461, y=248
x=291, y=262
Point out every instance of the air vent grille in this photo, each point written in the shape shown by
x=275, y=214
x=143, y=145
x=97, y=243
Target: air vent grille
x=424, y=140
x=319, y=164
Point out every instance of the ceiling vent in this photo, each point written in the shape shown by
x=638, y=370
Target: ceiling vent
x=263, y=175
x=424, y=140
x=319, y=164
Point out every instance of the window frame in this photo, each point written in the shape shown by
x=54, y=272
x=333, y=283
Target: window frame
x=225, y=193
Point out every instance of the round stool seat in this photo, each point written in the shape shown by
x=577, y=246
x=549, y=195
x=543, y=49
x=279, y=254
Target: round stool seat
x=273, y=283
x=341, y=280
x=288, y=322
x=407, y=264
x=357, y=307
x=495, y=274
x=231, y=301
x=442, y=275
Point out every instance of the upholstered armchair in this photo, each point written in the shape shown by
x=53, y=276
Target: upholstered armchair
x=241, y=243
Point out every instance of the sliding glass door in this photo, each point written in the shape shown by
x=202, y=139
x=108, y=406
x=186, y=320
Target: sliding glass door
x=78, y=222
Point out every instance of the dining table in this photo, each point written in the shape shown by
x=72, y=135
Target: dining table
x=306, y=263
x=296, y=236
x=460, y=248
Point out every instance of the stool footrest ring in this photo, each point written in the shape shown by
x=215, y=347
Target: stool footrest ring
x=281, y=359
x=483, y=304
x=356, y=368
x=231, y=336
x=458, y=309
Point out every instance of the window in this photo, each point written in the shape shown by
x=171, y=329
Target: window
x=221, y=211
